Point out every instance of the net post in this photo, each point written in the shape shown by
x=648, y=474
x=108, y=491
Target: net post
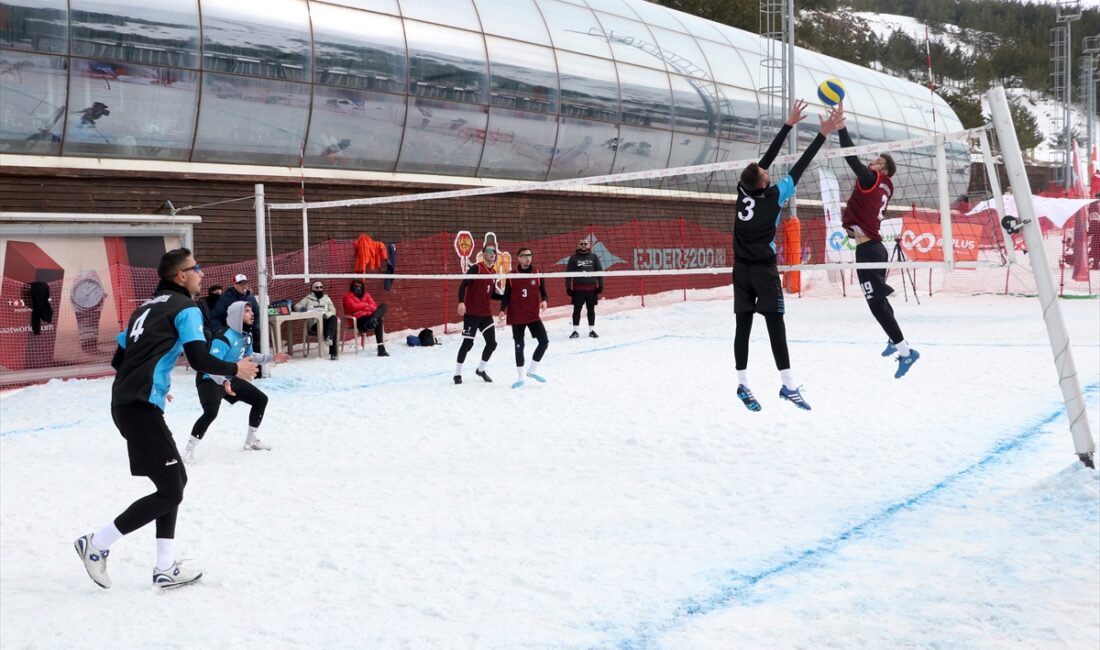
x=998, y=197
x=945, y=203
x=261, y=271
x=305, y=239
x=443, y=265
x=683, y=249
x=1083, y=442
x=641, y=278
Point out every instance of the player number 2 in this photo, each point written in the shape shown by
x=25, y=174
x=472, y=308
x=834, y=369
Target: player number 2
x=139, y=325
x=750, y=206
x=882, y=210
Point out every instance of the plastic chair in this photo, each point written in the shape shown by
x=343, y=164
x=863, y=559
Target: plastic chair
x=360, y=338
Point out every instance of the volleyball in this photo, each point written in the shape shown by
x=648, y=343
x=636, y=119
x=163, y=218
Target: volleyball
x=831, y=91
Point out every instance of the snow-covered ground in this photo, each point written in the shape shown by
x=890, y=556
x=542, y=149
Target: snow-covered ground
x=630, y=502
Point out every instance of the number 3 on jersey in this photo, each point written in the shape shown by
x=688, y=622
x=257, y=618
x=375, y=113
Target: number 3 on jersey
x=139, y=325
x=750, y=206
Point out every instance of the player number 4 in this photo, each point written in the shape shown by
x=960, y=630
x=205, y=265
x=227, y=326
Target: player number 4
x=139, y=325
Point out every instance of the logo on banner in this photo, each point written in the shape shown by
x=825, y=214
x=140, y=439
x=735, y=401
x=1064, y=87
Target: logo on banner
x=606, y=257
x=464, y=246
x=839, y=247
x=923, y=240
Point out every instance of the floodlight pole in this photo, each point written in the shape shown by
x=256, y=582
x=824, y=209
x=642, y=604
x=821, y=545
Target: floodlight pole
x=1052, y=313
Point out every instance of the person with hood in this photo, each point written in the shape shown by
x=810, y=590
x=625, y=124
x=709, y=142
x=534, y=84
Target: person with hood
x=368, y=314
x=756, y=286
x=584, y=291
x=524, y=299
x=476, y=309
x=232, y=344
x=239, y=291
x=316, y=300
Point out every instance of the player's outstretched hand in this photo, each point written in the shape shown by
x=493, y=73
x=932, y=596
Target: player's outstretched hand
x=281, y=357
x=798, y=112
x=228, y=386
x=833, y=121
x=246, y=369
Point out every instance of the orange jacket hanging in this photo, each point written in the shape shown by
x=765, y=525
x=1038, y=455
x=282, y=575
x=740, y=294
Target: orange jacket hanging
x=369, y=254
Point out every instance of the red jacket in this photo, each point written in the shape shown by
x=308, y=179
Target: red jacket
x=356, y=306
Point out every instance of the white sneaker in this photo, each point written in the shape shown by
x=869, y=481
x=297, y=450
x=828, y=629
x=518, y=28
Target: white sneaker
x=255, y=444
x=189, y=453
x=95, y=560
x=174, y=576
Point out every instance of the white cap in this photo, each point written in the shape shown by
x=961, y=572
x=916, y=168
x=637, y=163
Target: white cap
x=241, y=277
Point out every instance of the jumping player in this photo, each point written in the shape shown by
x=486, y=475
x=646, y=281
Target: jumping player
x=524, y=299
x=862, y=217
x=756, y=287
x=159, y=329
x=475, y=296
x=232, y=344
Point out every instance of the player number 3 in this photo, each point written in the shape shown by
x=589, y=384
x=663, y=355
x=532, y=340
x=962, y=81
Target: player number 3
x=750, y=205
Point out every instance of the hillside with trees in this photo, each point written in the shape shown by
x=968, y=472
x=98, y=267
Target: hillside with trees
x=1005, y=43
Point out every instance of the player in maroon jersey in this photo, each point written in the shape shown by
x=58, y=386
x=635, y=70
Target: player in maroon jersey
x=475, y=296
x=524, y=299
x=862, y=217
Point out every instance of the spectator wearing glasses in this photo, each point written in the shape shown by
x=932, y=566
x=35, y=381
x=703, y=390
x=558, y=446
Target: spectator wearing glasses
x=317, y=300
x=523, y=302
x=584, y=291
x=368, y=314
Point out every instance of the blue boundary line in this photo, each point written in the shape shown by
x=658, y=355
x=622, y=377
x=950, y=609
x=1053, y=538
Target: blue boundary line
x=740, y=586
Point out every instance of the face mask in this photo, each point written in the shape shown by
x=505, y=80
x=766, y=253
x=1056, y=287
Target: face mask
x=358, y=290
x=318, y=294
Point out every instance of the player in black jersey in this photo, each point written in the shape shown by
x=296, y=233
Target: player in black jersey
x=159, y=330
x=756, y=285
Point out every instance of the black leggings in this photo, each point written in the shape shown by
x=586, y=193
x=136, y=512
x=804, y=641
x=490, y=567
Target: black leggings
x=584, y=299
x=211, y=394
x=373, y=322
x=471, y=324
x=884, y=314
x=777, y=333
x=538, y=332
x=161, y=506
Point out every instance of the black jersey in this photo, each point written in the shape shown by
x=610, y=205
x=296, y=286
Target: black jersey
x=153, y=341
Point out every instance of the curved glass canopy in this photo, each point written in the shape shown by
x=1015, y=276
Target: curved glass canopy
x=516, y=89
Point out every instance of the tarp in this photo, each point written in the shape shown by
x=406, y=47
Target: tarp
x=1058, y=211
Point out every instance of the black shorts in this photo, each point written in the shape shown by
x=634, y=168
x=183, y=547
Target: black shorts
x=756, y=288
x=148, y=440
x=471, y=325
x=872, y=281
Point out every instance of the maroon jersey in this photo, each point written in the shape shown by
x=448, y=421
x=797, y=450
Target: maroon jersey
x=478, y=293
x=523, y=297
x=867, y=208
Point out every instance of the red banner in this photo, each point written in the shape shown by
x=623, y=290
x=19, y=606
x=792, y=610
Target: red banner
x=923, y=240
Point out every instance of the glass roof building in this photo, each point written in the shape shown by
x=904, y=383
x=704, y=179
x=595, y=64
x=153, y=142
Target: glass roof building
x=508, y=89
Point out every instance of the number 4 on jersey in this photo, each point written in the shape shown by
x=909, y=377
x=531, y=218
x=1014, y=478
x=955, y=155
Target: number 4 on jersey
x=139, y=325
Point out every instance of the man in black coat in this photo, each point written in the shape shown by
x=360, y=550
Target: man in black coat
x=584, y=291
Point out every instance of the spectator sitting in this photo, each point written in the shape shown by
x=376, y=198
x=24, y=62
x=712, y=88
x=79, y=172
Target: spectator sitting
x=368, y=314
x=316, y=300
x=239, y=291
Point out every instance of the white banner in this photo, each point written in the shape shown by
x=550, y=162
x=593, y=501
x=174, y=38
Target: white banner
x=838, y=248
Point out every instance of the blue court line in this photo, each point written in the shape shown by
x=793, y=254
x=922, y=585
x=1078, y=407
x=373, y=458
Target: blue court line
x=740, y=586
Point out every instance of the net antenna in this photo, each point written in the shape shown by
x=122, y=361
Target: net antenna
x=1028, y=224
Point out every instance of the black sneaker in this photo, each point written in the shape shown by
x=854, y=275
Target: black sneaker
x=574, y=335
x=484, y=375
x=458, y=379
x=332, y=357
x=593, y=335
x=382, y=351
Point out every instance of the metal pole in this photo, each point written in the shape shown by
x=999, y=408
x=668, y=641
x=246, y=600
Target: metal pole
x=998, y=198
x=1052, y=313
x=261, y=262
x=1069, y=115
x=945, y=203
